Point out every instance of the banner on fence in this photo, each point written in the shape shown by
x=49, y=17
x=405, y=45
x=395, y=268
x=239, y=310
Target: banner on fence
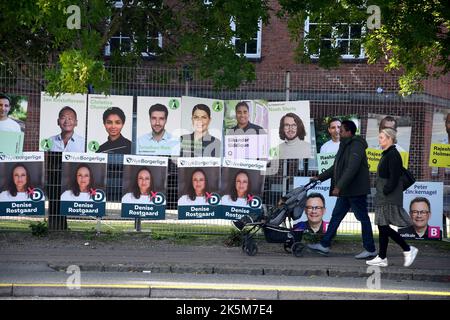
x=22, y=183
x=440, y=139
x=63, y=123
x=158, y=126
x=110, y=124
x=424, y=202
x=246, y=129
x=13, y=117
x=316, y=220
x=242, y=187
x=198, y=188
x=144, y=187
x=84, y=184
x=290, y=134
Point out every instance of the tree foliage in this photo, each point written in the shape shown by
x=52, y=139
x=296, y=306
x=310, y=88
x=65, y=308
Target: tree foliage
x=413, y=37
x=194, y=34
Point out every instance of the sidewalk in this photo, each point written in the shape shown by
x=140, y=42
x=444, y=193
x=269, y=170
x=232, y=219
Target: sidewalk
x=140, y=253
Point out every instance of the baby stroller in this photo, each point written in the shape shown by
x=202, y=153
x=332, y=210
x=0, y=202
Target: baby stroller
x=290, y=206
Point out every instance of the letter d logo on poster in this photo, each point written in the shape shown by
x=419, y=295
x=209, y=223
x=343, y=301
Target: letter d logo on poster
x=99, y=196
x=37, y=195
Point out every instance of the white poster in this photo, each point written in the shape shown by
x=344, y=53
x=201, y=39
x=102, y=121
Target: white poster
x=158, y=126
x=110, y=124
x=290, y=132
x=63, y=123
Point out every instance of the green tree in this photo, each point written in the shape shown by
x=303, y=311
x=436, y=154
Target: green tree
x=194, y=34
x=413, y=36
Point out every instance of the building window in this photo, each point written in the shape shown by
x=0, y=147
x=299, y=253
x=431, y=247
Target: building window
x=346, y=37
x=252, y=48
x=122, y=42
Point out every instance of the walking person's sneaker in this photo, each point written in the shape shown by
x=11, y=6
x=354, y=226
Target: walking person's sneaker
x=366, y=254
x=317, y=247
x=410, y=256
x=377, y=261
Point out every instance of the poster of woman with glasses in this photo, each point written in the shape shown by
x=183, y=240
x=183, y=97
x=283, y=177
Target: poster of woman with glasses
x=424, y=203
x=290, y=134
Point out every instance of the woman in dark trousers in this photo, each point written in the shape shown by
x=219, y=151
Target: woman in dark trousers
x=389, y=201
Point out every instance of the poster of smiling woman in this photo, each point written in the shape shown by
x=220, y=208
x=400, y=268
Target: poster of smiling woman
x=202, y=123
x=440, y=139
x=144, y=187
x=83, y=184
x=198, y=188
x=110, y=123
x=290, y=134
x=242, y=186
x=63, y=123
x=22, y=184
x=13, y=116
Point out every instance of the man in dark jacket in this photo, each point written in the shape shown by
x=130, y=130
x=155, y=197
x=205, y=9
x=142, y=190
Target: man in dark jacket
x=350, y=183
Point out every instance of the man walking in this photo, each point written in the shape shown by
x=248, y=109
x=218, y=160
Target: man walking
x=350, y=183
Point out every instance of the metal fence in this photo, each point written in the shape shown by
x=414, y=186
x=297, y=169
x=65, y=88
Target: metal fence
x=341, y=92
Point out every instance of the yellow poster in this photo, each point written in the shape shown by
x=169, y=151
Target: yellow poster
x=374, y=156
x=439, y=155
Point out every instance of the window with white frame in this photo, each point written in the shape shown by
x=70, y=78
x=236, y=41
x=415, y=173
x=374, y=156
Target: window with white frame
x=346, y=37
x=122, y=42
x=252, y=48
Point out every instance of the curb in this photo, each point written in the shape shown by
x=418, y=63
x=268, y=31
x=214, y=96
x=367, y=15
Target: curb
x=357, y=272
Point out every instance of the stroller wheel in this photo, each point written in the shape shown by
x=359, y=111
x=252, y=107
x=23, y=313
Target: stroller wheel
x=287, y=246
x=297, y=249
x=251, y=249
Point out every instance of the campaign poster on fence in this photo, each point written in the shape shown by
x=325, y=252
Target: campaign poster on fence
x=328, y=138
x=22, y=184
x=144, y=187
x=289, y=126
x=246, y=125
x=440, y=139
x=83, y=184
x=202, y=126
x=424, y=202
x=158, y=126
x=110, y=124
x=377, y=122
x=317, y=220
x=242, y=187
x=63, y=123
x=13, y=116
x=198, y=188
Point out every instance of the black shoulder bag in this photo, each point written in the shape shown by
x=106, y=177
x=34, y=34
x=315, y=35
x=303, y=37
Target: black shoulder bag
x=407, y=178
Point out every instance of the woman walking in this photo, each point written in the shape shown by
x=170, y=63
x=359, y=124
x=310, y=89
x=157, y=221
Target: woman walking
x=389, y=201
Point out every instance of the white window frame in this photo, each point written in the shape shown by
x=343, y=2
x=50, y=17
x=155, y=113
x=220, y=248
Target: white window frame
x=334, y=42
x=258, y=39
x=107, y=51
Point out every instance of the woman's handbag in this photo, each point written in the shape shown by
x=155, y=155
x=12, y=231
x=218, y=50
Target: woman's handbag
x=407, y=178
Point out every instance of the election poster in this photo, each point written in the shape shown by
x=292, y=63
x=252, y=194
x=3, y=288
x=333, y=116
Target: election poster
x=13, y=117
x=144, y=187
x=290, y=132
x=242, y=187
x=440, y=139
x=246, y=125
x=377, y=122
x=315, y=220
x=424, y=202
x=202, y=126
x=110, y=124
x=83, y=184
x=63, y=123
x=22, y=184
x=198, y=188
x=328, y=138
x=158, y=126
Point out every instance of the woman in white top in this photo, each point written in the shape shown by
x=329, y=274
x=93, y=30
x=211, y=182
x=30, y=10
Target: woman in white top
x=82, y=185
x=239, y=191
x=18, y=184
x=196, y=192
x=141, y=189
